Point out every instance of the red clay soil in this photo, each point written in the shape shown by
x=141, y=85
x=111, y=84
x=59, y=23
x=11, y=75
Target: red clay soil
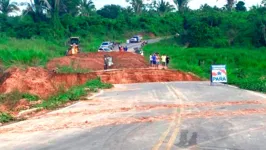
x=144, y=75
x=43, y=83
x=39, y=81
x=94, y=61
x=32, y=80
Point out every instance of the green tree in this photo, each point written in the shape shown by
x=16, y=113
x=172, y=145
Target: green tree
x=110, y=11
x=164, y=7
x=181, y=5
x=70, y=7
x=36, y=9
x=86, y=8
x=240, y=6
x=263, y=3
x=6, y=7
x=137, y=5
x=230, y=4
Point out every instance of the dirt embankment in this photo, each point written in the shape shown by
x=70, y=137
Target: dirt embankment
x=45, y=82
x=41, y=82
x=95, y=61
x=32, y=80
x=144, y=75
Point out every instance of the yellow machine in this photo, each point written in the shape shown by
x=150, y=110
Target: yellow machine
x=74, y=46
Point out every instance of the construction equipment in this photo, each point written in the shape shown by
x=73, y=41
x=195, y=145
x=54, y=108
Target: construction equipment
x=74, y=46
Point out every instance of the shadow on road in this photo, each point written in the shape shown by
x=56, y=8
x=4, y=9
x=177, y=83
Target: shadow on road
x=184, y=142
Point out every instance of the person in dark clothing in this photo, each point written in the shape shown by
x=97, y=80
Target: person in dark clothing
x=167, y=60
x=125, y=48
x=154, y=60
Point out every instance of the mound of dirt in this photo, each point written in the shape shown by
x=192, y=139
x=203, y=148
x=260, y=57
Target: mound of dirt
x=95, y=61
x=41, y=82
x=31, y=80
x=145, y=75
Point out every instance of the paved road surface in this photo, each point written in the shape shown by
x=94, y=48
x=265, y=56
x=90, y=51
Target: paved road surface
x=151, y=116
x=131, y=46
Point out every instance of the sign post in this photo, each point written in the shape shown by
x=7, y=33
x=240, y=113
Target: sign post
x=218, y=74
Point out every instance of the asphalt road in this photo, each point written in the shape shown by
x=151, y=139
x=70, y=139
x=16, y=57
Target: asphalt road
x=149, y=116
x=131, y=46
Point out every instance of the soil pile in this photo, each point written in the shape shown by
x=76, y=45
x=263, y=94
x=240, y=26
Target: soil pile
x=145, y=75
x=43, y=83
x=95, y=61
x=39, y=81
x=31, y=80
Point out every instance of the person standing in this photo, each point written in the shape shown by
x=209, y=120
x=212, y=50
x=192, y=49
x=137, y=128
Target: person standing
x=125, y=48
x=154, y=60
x=158, y=60
x=167, y=60
x=105, y=59
x=151, y=60
x=164, y=61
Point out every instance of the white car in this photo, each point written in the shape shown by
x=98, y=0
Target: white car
x=107, y=44
x=104, y=49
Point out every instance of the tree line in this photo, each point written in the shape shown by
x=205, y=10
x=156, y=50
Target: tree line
x=230, y=25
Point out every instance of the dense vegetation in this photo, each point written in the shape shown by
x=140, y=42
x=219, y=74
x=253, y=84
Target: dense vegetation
x=246, y=67
x=208, y=26
x=233, y=34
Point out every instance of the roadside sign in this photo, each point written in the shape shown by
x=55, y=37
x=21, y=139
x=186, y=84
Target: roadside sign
x=218, y=74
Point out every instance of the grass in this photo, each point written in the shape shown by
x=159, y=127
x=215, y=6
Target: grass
x=71, y=69
x=74, y=94
x=37, y=52
x=28, y=52
x=246, y=67
x=5, y=117
x=11, y=99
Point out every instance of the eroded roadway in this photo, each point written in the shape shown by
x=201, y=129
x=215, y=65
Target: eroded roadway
x=149, y=116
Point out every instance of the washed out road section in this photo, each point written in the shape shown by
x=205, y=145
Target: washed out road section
x=173, y=115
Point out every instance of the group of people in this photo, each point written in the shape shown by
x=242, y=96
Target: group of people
x=121, y=48
x=156, y=60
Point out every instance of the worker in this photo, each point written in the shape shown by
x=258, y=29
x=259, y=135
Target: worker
x=105, y=62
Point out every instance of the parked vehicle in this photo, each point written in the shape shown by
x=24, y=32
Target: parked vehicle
x=107, y=44
x=104, y=49
x=136, y=39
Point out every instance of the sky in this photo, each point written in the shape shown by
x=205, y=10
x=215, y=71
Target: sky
x=193, y=4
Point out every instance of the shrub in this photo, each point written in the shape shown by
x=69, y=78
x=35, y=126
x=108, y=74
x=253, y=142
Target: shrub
x=74, y=93
x=5, y=117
